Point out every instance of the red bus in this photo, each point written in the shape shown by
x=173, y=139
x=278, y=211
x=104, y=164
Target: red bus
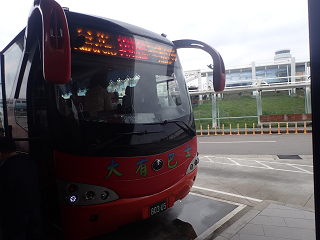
x=100, y=169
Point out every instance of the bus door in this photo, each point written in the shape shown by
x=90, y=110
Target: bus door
x=40, y=142
x=47, y=44
x=23, y=109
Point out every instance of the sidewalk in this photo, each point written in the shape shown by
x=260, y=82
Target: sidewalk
x=271, y=220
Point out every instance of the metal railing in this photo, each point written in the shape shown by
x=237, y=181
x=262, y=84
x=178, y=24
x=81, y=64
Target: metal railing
x=256, y=86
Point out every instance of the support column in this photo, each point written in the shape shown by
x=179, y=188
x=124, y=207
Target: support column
x=306, y=71
x=253, y=70
x=214, y=110
x=208, y=87
x=293, y=74
x=200, y=86
x=257, y=94
x=207, y=80
x=308, y=100
x=253, y=76
x=259, y=106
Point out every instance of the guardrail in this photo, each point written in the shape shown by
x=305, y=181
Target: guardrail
x=262, y=87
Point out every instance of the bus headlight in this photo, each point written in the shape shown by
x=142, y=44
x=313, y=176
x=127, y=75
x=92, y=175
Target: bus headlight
x=72, y=188
x=193, y=164
x=81, y=194
x=73, y=199
x=89, y=196
x=104, y=195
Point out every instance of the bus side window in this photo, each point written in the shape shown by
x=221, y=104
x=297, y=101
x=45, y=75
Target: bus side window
x=20, y=113
x=12, y=59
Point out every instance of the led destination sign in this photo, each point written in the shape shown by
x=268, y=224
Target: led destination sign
x=111, y=44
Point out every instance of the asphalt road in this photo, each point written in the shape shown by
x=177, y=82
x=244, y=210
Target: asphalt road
x=251, y=168
x=266, y=144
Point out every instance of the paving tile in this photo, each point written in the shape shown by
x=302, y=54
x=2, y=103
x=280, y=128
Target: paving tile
x=238, y=225
x=300, y=223
x=289, y=213
x=253, y=237
x=283, y=207
x=235, y=237
x=274, y=206
x=308, y=215
x=288, y=208
x=278, y=222
x=267, y=220
x=286, y=232
x=253, y=229
x=223, y=238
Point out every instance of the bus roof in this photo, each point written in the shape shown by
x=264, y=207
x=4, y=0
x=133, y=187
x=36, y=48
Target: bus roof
x=105, y=23
x=84, y=19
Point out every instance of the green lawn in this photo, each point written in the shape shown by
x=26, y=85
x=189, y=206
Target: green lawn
x=245, y=106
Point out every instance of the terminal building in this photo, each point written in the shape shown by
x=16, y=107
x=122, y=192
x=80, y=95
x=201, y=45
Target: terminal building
x=284, y=73
x=284, y=69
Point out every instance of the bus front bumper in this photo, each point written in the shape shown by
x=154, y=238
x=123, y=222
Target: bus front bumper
x=81, y=222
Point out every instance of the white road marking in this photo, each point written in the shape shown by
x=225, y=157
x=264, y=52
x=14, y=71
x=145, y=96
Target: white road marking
x=243, y=142
x=292, y=165
x=230, y=194
x=265, y=164
x=208, y=158
x=234, y=161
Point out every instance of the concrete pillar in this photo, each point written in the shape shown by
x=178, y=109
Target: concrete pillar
x=200, y=86
x=293, y=69
x=308, y=100
x=257, y=94
x=214, y=110
x=293, y=73
x=208, y=87
x=253, y=76
x=199, y=80
x=253, y=67
x=259, y=105
x=306, y=71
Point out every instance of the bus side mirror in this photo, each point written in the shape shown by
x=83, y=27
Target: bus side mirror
x=56, y=50
x=219, y=72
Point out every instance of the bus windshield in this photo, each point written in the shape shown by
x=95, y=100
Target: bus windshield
x=145, y=94
x=130, y=94
x=140, y=78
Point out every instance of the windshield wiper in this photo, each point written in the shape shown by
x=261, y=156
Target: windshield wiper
x=188, y=129
x=191, y=131
x=140, y=132
x=95, y=148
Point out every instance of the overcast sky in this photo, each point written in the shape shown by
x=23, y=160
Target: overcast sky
x=242, y=31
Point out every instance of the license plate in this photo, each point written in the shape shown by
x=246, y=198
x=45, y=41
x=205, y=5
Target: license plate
x=158, y=208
